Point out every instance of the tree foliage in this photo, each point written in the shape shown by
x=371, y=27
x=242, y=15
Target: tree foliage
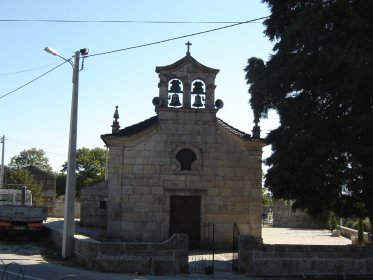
x=333, y=224
x=90, y=167
x=60, y=184
x=23, y=177
x=31, y=157
x=266, y=197
x=320, y=81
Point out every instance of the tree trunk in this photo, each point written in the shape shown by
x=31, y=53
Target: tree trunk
x=360, y=232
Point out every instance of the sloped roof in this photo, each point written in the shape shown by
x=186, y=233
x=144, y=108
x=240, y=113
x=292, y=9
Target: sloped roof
x=136, y=128
x=234, y=130
x=188, y=59
x=133, y=129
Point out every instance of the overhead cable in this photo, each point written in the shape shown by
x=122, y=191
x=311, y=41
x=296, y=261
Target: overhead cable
x=179, y=37
x=26, y=70
x=119, y=21
x=33, y=80
x=24, y=145
x=143, y=45
x=24, y=142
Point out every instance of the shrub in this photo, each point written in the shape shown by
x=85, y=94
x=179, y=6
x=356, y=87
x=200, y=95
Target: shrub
x=332, y=222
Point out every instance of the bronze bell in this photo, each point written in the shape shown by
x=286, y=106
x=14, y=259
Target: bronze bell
x=175, y=102
x=198, y=88
x=175, y=86
x=198, y=101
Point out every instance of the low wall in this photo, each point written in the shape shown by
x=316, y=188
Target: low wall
x=351, y=233
x=168, y=257
x=335, y=262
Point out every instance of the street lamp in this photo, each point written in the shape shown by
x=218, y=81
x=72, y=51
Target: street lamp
x=69, y=225
x=2, y=163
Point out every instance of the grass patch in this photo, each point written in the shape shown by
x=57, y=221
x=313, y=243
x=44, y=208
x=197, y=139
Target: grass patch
x=52, y=253
x=49, y=250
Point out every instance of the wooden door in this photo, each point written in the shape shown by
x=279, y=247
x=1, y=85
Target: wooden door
x=185, y=217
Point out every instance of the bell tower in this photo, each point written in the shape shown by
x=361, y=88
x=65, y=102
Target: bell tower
x=187, y=84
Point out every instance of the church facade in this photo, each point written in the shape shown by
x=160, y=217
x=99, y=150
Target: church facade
x=182, y=168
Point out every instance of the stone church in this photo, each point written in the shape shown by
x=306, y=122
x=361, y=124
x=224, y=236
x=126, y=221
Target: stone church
x=180, y=169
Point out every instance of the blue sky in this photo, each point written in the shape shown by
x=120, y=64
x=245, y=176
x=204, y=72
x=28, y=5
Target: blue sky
x=38, y=115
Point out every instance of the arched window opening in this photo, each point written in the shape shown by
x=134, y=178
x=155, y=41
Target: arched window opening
x=198, y=92
x=175, y=93
x=186, y=158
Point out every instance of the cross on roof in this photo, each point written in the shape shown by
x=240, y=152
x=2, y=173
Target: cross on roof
x=188, y=44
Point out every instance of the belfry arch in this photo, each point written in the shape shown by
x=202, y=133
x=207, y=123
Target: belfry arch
x=175, y=93
x=188, y=71
x=198, y=93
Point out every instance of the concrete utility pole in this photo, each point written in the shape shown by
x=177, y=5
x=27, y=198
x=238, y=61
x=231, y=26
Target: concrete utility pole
x=2, y=163
x=69, y=223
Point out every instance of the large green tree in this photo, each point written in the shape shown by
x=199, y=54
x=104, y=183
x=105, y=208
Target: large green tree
x=320, y=81
x=90, y=169
x=31, y=157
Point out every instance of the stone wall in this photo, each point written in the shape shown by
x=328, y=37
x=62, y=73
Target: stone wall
x=59, y=206
x=332, y=262
x=284, y=216
x=94, y=205
x=144, y=174
x=167, y=257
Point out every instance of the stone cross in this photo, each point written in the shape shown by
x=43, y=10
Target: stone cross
x=188, y=44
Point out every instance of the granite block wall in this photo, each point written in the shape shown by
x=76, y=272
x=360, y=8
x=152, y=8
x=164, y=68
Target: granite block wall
x=144, y=174
x=305, y=261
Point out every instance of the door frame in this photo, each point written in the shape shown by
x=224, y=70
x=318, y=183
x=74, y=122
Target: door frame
x=185, y=217
x=183, y=192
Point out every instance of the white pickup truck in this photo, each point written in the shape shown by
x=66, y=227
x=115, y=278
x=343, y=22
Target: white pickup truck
x=18, y=215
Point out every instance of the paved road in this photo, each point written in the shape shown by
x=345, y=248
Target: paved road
x=301, y=236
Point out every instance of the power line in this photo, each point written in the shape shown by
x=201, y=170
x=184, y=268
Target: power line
x=120, y=21
x=179, y=37
x=32, y=80
x=27, y=70
x=140, y=46
x=19, y=141
x=46, y=151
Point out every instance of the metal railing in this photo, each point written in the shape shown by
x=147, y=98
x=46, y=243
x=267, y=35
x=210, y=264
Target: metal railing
x=16, y=270
x=236, y=236
x=204, y=261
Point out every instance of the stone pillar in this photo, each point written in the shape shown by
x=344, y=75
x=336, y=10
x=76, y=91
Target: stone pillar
x=187, y=96
x=163, y=90
x=210, y=96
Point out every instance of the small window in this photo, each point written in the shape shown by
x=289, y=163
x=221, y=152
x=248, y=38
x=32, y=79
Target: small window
x=186, y=158
x=102, y=204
